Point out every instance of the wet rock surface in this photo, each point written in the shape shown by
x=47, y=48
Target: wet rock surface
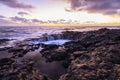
x=16, y=68
x=3, y=41
x=92, y=55
x=12, y=70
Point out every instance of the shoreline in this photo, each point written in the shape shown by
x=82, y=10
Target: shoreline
x=90, y=55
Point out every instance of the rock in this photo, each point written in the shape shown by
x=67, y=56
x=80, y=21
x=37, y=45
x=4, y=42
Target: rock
x=31, y=63
x=3, y=41
x=117, y=38
x=3, y=49
x=74, y=46
x=79, y=53
x=6, y=61
x=20, y=71
x=114, y=55
x=66, y=63
x=59, y=56
x=15, y=50
x=117, y=70
x=54, y=55
x=91, y=55
x=50, y=46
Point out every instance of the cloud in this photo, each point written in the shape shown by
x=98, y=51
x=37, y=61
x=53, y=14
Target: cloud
x=26, y=21
x=68, y=10
x=16, y=4
x=23, y=13
x=37, y=21
x=4, y=20
x=95, y=6
x=2, y=16
x=19, y=19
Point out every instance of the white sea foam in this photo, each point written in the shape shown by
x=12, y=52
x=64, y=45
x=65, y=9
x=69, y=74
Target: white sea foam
x=57, y=42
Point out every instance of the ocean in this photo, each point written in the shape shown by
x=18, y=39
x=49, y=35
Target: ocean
x=11, y=34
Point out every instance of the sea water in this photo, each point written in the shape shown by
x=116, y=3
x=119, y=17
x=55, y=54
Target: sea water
x=19, y=33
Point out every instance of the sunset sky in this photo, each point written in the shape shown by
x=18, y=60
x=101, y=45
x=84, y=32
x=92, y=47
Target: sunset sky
x=59, y=12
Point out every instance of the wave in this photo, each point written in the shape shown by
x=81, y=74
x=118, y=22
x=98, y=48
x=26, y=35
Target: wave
x=11, y=35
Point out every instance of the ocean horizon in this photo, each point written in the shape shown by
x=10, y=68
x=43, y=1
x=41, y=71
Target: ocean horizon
x=20, y=33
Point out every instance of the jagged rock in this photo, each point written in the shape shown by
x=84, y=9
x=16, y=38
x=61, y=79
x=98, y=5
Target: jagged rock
x=49, y=46
x=74, y=46
x=54, y=55
x=3, y=41
x=92, y=55
x=79, y=53
x=5, y=62
x=101, y=60
x=10, y=70
x=114, y=54
x=16, y=50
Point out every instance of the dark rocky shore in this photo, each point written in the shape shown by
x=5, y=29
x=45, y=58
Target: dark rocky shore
x=92, y=55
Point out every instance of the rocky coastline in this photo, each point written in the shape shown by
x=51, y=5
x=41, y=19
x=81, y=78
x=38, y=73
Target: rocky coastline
x=91, y=55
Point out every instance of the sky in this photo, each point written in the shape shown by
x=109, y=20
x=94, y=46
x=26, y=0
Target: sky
x=59, y=12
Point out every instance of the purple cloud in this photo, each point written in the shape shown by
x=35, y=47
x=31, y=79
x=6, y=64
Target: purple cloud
x=2, y=21
x=15, y=20
x=24, y=20
x=2, y=16
x=16, y=4
x=23, y=13
x=37, y=21
x=95, y=6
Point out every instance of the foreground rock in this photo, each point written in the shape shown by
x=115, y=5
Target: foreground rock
x=93, y=55
x=3, y=41
x=12, y=70
x=15, y=68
